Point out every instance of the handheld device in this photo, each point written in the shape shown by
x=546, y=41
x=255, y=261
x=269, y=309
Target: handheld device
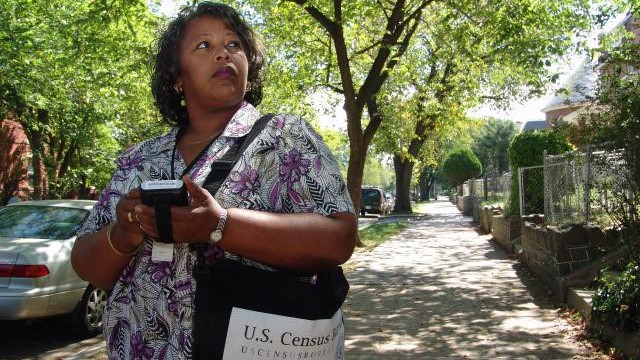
x=173, y=192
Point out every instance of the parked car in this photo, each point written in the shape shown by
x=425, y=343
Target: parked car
x=372, y=200
x=36, y=277
x=389, y=203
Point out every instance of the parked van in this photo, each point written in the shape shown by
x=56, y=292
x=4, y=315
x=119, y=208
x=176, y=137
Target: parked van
x=372, y=200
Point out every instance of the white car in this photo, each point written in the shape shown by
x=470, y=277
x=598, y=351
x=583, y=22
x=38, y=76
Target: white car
x=36, y=277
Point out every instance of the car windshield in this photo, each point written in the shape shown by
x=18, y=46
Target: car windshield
x=371, y=194
x=41, y=222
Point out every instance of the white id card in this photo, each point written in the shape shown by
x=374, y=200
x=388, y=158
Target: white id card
x=161, y=252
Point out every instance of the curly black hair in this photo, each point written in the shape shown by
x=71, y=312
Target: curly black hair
x=166, y=66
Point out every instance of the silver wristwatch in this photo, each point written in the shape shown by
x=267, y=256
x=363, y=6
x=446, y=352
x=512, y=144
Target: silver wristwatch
x=216, y=235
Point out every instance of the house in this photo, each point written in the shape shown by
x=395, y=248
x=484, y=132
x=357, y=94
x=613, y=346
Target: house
x=534, y=125
x=578, y=91
x=14, y=165
x=574, y=96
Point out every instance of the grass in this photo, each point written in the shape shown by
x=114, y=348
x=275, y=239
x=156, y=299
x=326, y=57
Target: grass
x=377, y=234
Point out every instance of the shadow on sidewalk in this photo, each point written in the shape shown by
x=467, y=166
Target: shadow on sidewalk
x=443, y=291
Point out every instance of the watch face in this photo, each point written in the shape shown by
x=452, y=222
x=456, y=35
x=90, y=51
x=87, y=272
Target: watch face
x=215, y=236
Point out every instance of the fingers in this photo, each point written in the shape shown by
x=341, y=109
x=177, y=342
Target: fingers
x=125, y=211
x=198, y=193
x=134, y=194
x=146, y=220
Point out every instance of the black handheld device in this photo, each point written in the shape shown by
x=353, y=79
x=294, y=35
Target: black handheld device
x=173, y=190
x=162, y=194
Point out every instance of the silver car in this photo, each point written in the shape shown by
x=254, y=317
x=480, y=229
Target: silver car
x=36, y=277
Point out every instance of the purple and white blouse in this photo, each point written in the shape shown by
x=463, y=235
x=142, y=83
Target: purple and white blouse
x=287, y=169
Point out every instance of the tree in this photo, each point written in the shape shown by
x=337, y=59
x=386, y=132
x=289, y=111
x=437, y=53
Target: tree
x=345, y=46
x=491, y=145
x=461, y=165
x=453, y=65
x=354, y=47
x=70, y=69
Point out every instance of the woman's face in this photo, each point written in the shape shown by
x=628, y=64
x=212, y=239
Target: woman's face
x=213, y=65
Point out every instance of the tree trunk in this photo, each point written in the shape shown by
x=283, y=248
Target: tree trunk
x=37, y=164
x=426, y=184
x=37, y=148
x=403, y=169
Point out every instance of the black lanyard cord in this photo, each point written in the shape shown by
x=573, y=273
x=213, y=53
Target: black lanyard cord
x=195, y=160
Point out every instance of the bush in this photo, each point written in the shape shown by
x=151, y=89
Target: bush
x=461, y=165
x=527, y=149
x=617, y=299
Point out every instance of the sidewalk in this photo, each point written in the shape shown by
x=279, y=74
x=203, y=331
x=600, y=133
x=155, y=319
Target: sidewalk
x=441, y=291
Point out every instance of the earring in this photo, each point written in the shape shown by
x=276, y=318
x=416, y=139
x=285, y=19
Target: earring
x=178, y=90
x=248, y=88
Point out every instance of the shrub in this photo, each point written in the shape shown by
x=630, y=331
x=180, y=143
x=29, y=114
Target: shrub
x=527, y=149
x=617, y=299
x=461, y=165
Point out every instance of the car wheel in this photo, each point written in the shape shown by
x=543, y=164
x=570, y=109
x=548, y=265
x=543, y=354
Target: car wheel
x=87, y=319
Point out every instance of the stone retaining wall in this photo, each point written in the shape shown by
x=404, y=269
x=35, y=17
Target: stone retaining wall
x=553, y=253
x=505, y=230
x=465, y=204
x=628, y=342
x=486, y=215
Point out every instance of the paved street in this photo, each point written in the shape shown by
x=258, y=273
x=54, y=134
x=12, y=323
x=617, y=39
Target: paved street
x=441, y=291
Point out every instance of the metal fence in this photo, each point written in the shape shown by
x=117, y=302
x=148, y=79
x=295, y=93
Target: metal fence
x=492, y=187
x=532, y=190
x=580, y=187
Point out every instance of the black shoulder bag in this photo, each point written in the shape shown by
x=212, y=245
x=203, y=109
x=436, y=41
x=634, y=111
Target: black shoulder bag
x=243, y=312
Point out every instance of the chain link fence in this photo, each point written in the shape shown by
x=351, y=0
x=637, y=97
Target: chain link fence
x=532, y=190
x=580, y=187
x=492, y=187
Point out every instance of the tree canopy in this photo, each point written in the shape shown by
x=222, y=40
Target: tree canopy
x=491, y=145
x=74, y=75
x=476, y=51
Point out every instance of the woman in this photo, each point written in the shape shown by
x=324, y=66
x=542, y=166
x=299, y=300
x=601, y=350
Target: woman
x=285, y=203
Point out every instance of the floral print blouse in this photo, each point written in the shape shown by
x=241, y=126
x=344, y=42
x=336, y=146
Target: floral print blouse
x=287, y=169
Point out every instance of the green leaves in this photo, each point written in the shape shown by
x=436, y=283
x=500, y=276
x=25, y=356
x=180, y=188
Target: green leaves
x=461, y=165
x=67, y=68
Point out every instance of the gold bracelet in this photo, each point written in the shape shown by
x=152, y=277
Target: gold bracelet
x=113, y=248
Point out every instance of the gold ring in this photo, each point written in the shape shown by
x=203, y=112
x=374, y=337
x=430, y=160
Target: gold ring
x=130, y=216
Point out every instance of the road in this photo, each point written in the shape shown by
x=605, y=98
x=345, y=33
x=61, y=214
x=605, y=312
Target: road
x=44, y=339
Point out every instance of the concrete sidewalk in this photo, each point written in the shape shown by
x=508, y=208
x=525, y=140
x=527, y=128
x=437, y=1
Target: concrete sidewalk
x=441, y=291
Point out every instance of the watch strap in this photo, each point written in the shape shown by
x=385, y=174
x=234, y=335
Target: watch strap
x=216, y=235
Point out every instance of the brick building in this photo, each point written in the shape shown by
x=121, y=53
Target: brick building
x=14, y=161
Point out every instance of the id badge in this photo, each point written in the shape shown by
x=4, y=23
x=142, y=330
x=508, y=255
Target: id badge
x=161, y=252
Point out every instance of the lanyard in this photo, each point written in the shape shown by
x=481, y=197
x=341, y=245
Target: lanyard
x=195, y=160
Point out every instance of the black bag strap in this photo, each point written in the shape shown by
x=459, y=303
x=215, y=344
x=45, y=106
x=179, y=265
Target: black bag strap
x=220, y=169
